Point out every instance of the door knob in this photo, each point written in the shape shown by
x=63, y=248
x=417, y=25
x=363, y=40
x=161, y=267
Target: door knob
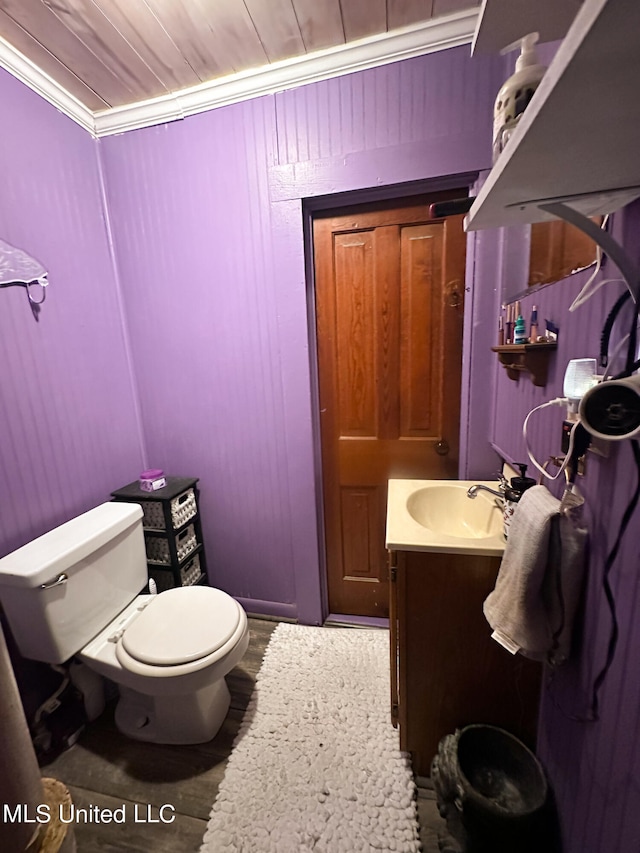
x=442, y=447
x=454, y=295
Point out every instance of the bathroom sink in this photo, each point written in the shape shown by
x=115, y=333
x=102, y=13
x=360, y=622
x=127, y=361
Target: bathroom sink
x=447, y=509
x=437, y=515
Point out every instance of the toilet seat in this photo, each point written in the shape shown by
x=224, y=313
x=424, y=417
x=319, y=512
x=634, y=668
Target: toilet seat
x=172, y=702
x=181, y=625
x=179, y=632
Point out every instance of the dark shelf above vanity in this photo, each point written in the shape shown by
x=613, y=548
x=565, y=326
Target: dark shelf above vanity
x=527, y=358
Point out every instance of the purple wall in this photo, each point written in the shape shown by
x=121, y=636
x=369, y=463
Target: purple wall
x=208, y=227
x=594, y=766
x=67, y=403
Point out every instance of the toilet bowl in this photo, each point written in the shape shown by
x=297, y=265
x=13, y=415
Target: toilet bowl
x=75, y=593
x=168, y=654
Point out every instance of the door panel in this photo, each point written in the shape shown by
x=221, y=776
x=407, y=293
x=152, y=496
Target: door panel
x=355, y=348
x=389, y=285
x=421, y=256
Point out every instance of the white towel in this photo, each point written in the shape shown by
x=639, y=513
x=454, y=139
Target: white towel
x=537, y=592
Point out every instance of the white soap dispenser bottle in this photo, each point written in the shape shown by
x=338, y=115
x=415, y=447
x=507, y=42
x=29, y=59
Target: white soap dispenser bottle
x=516, y=92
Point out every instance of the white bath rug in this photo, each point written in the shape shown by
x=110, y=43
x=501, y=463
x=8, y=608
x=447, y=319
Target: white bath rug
x=316, y=764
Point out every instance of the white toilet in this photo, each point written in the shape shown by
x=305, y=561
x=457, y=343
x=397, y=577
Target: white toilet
x=75, y=592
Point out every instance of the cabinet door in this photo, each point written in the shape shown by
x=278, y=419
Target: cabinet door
x=451, y=673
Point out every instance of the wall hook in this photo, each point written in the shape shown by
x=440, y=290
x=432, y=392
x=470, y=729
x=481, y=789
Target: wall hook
x=19, y=268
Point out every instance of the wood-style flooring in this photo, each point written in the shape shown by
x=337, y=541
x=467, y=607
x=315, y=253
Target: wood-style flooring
x=108, y=771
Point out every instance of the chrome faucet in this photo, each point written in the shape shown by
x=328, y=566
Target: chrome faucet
x=472, y=491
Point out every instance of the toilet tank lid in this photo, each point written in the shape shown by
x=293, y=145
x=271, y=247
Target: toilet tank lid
x=56, y=551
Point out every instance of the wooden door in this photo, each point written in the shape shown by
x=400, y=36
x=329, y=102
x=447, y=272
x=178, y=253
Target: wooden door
x=389, y=302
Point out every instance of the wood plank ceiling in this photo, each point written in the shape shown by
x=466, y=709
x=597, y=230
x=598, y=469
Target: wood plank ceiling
x=111, y=53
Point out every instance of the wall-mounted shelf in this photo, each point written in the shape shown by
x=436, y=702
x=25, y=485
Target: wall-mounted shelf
x=578, y=139
x=526, y=358
x=502, y=22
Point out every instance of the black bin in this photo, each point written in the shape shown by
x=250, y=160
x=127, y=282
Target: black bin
x=492, y=791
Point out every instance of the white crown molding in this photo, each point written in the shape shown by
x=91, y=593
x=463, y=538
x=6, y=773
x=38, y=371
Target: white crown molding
x=441, y=33
x=438, y=34
x=27, y=72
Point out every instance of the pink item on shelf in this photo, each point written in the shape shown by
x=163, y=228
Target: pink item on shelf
x=152, y=479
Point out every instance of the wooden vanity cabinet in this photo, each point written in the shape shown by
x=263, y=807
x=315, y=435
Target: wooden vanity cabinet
x=446, y=671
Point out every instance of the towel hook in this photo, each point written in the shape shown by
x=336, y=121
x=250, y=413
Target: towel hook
x=19, y=268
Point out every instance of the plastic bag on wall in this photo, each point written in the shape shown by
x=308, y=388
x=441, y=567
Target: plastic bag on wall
x=17, y=267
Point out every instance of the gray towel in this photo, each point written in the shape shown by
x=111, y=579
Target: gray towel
x=533, y=605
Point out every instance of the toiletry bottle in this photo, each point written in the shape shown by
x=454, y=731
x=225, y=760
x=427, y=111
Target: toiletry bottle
x=512, y=495
x=533, y=325
x=516, y=92
x=519, y=329
x=508, y=334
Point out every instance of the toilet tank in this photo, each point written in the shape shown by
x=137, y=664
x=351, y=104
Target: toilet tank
x=99, y=561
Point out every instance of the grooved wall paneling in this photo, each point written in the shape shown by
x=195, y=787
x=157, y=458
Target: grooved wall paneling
x=67, y=405
x=428, y=98
x=594, y=765
x=211, y=256
x=198, y=274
